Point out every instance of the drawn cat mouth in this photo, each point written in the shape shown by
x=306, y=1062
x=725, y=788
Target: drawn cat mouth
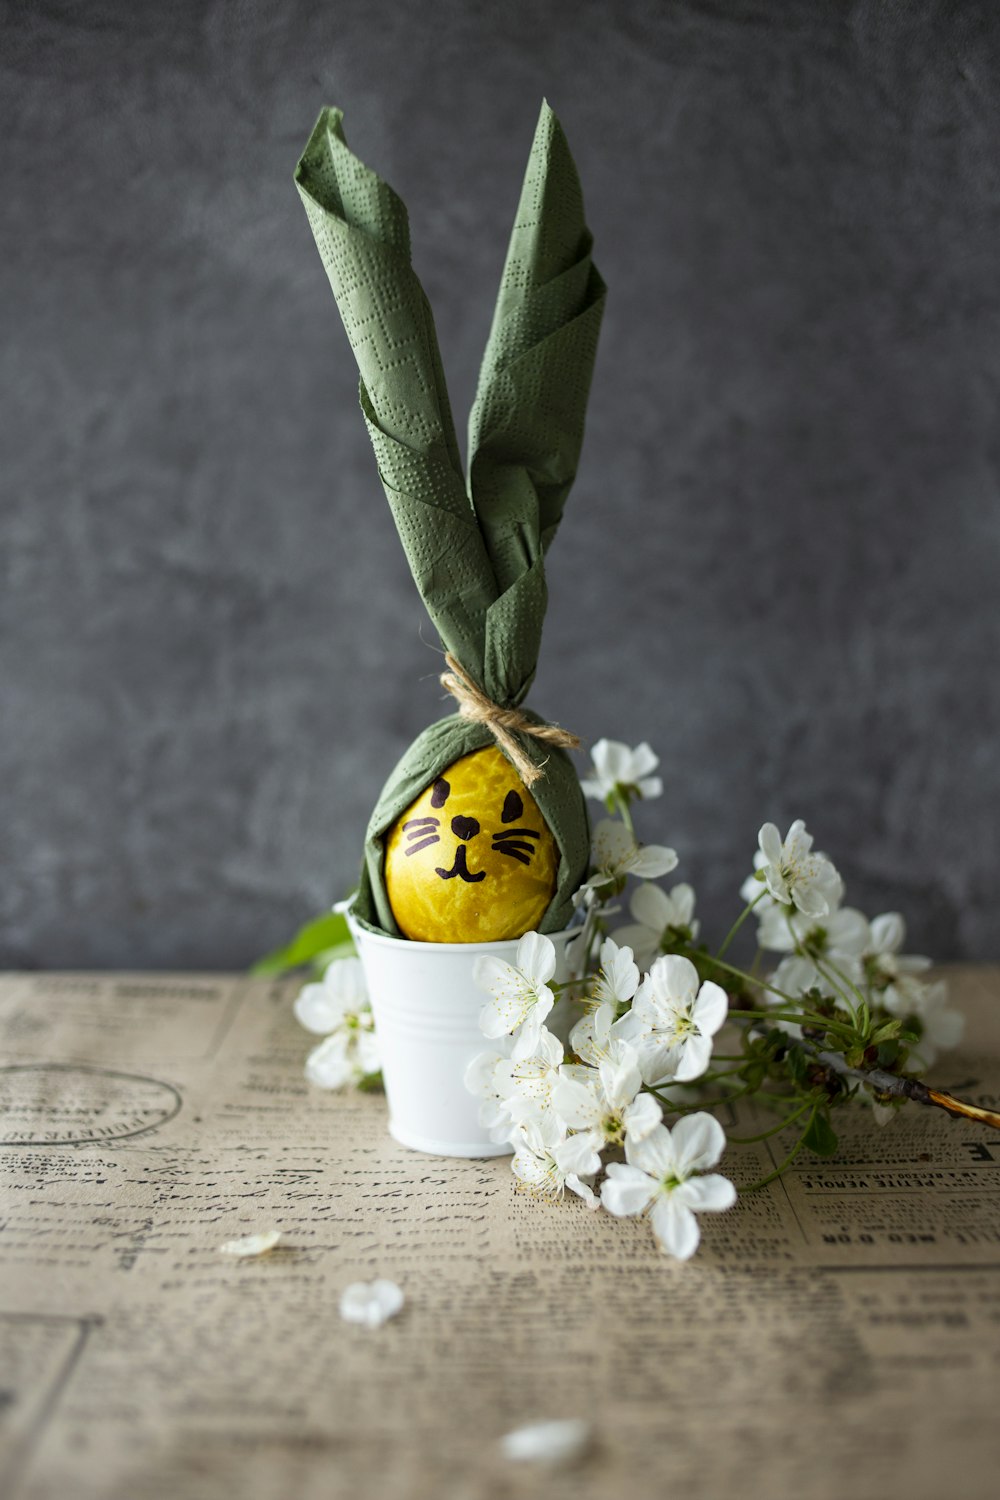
x=461, y=869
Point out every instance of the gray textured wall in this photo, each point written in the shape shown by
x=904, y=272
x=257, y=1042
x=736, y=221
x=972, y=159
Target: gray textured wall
x=780, y=560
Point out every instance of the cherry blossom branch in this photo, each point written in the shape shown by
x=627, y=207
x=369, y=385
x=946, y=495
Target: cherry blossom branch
x=891, y=1084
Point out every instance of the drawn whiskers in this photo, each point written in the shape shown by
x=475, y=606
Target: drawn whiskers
x=514, y=843
x=420, y=834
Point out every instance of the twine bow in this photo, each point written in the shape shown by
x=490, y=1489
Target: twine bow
x=503, y=723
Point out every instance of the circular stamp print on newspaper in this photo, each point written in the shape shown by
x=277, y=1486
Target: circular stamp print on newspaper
x=71, y=1104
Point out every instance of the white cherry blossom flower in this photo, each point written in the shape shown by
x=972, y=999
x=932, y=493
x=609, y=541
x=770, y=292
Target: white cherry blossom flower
x=483, y=1078
x=617, y=770
x=794, y=875
x=843, y=933
x=793, y=977
x=370, y=1303
x=605, y=1102
x=663, y=1177
x=618, y=977
x=882, y=1114
x=591, y=1035
x=551, y=1443
x=616, y=854
x=661, y=917
x=884, y=963
x=824, y=950
x=942, y=1028
x=894, y=981
x=547, y=1161
x=521, y=997
x=346, y=1057
x=338, y=1004
x=753, y=888
x=328, y=1003
x=672, y=1021
x=914, y=1000
x=527, y=1083
x=612, y=990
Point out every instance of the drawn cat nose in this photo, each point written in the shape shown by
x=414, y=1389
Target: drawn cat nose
x=464, y=828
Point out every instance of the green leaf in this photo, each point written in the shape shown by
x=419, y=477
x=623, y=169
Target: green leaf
x=311, y=943
x=820, y=1137
x=886, y=1033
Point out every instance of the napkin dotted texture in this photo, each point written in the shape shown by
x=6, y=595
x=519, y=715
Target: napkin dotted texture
x=476, y=554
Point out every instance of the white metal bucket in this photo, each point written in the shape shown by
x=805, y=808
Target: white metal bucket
x=426, y=1008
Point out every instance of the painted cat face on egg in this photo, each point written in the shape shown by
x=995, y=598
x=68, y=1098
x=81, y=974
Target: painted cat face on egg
x=471, y=860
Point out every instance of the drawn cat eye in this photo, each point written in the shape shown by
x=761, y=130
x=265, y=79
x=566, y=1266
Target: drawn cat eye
x=513, y=808
x=441, y=792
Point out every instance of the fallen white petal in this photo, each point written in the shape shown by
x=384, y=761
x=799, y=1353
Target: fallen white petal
x=547, y=1442
x=253, y=1244
x=370, y=1303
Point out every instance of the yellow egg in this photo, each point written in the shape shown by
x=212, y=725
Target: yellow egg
x=471, y=860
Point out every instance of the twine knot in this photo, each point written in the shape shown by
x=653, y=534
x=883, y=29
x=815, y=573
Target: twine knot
x=503, y=723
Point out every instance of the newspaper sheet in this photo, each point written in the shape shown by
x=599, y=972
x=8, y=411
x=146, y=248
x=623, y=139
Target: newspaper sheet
x=838, y=1333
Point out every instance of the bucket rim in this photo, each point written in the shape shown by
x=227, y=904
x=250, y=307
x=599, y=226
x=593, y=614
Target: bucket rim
x=386, y=940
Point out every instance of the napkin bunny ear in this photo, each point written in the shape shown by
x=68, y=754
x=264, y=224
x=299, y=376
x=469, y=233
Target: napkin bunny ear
x=479, y=566
x=362, y=233
x=526, y=423
x=477, y=554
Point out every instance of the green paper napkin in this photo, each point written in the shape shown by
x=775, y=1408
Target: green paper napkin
x=476, y=555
